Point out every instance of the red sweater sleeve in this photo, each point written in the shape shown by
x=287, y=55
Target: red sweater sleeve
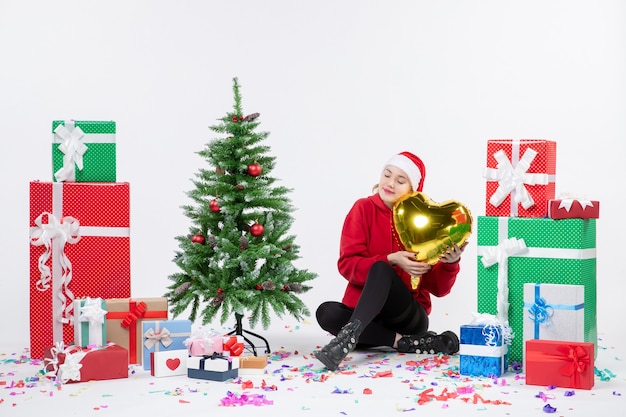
x=356, y=255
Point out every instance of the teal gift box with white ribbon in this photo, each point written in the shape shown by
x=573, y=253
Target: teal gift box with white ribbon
x=163, y=335
x=90, y=322
x=554, y=312
x=83, y=151
x=513, y=251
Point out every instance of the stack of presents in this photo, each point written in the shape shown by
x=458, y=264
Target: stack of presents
x=84, y=323
x=536, y=272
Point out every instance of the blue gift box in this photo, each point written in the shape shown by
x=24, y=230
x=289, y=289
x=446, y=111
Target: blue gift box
x=163, y=335
x=482, y=350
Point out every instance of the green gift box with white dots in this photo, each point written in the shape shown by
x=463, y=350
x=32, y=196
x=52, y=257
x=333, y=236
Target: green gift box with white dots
x=83, y=151
x=557, y=252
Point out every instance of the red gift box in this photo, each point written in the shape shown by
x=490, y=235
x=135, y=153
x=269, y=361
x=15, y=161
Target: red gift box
x=573, y=208
x=520, y=177
x=124, y=322
x=559, y=363
x=75, y=364
x=80, y=247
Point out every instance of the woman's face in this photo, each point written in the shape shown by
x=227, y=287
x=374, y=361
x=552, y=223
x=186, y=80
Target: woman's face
x=393, y=184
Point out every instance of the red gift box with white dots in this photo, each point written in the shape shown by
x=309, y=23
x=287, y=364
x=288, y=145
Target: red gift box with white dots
x=79, y=247
x=520, y=175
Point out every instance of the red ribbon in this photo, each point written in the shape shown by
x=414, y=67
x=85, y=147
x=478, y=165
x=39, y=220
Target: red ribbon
x=577, y=361
x=136, y=311
x=233, y=346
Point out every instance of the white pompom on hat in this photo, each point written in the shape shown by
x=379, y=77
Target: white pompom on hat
x=412, y=166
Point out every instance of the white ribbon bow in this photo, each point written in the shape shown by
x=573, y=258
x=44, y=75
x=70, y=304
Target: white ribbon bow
x=69, y=370
x=56, y=233
x=568, y=199
x=93, y=313
x=500, y=254
x=73, y=150
x=514, y=179
x=493, y=327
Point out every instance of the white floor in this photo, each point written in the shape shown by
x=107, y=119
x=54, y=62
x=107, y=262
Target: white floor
x=370, y=383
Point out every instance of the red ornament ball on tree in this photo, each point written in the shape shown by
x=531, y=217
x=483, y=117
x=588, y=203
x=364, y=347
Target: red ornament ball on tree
x=255, y=169
x=214, y=206
x=257, y=230
x=198, y=238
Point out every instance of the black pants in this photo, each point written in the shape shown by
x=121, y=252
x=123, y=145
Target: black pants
x=386, y=307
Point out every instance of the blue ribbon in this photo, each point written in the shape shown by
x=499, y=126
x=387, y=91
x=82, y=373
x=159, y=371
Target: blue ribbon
x=540, y=311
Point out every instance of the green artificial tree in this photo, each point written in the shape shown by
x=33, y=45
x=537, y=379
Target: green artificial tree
x=238, y=257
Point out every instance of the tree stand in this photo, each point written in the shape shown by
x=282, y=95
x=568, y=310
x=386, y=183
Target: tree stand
x=239, y=331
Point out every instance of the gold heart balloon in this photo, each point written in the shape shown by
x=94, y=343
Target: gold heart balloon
x=426, y=227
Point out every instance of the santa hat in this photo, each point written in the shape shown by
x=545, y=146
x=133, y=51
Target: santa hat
x=412, y=166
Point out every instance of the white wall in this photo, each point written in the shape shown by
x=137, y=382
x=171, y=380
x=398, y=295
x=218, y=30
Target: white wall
x=340, y=86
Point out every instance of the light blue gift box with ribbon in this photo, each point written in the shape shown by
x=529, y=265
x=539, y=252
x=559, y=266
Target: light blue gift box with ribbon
x=554, y=312
x=482, y=350
x=163, y=335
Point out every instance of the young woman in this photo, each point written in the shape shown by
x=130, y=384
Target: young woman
x=379, y=306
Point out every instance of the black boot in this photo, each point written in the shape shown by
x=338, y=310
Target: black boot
x=338, y=348
x=429, y=342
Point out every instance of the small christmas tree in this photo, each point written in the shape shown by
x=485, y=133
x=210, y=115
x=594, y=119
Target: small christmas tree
x=238, y=256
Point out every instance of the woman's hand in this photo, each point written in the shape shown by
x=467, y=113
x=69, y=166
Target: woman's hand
x=452, y=254
x=406, y=261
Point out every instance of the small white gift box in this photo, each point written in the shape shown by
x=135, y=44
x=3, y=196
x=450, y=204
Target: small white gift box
x=168, y=362
x=554, y=312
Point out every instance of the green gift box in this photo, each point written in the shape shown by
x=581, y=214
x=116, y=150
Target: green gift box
x=554, y=252
x=83, y=151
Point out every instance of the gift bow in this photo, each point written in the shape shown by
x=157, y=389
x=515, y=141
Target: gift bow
x=73, y=150
x=514, y=179
x=135, y=313
x=567, y=200
x=152, y=338
x=493, y=329
x=56, y=232
x=233, y=346
x=92, y=312
x=577, y=360
x=500, y=254
x=70, y=368
x=540, y=312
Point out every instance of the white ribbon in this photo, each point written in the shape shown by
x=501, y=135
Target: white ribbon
x=568, y=199
x=73, y=150
x=512, y=178
x=500, y=255
x=493, y=328
x=69, y=370
x=93, y=313
x=53, y=235
x=485, y=351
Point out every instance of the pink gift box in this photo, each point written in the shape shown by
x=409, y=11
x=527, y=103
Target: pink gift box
x=520, y=177
x=199, y=346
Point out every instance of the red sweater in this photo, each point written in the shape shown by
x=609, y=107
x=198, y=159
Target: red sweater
x=367, y=237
